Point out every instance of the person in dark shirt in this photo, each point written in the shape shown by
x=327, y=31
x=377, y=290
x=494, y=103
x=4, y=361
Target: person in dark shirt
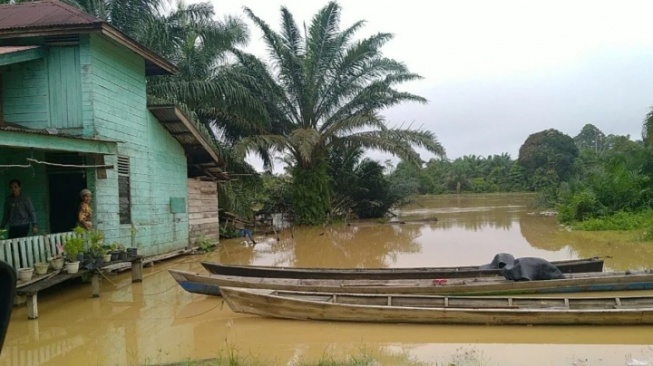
x=18, y=213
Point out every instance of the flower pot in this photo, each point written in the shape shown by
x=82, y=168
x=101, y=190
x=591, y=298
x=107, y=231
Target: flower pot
x=114, y=255
x=41, y=268
x=107, y=258
x=72, y=267
x=132, y=252
x=122, y=256
x=25, y=274
x=57, y=263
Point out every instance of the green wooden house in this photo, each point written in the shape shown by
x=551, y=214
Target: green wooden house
x=74, y=115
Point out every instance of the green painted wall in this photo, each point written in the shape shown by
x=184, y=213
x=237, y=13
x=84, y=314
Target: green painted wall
x=33, y=180
x=116, y=79
x=25, y=94
x=46, y=92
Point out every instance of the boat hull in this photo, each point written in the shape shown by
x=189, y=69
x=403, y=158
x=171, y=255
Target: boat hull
x=570, y=266
x=584, y=282
x=265, y=303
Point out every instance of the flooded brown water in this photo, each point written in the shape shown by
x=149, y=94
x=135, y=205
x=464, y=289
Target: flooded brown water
x=157, y=322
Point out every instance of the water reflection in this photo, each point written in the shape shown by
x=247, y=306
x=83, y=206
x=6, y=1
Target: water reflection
x=342, y=246
x=157, y=322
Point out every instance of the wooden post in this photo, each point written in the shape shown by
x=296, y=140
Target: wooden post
x=32, y=307
x=95, y=284
x=137, y=270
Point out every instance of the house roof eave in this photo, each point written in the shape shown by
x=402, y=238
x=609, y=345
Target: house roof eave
x=155, y=64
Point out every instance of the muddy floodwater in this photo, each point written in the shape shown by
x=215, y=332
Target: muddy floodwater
x=157, y=322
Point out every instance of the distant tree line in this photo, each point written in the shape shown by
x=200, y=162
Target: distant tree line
x=595, y=181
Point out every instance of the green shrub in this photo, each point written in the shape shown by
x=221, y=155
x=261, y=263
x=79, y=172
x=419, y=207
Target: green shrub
x=619, y=221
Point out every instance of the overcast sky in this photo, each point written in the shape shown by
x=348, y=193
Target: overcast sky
x=498, y=71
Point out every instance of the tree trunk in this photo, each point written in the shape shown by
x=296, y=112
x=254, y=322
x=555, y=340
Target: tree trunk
x=311, y=193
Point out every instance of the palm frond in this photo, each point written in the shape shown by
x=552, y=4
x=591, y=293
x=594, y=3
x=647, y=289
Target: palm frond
x=291, y=35
x=304, y=141
x=259, y=142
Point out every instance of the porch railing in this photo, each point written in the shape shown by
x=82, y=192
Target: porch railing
x=24, y=252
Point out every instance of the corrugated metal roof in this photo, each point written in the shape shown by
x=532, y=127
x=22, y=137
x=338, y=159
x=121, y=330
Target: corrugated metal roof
x=42, y=14
x=10, y=49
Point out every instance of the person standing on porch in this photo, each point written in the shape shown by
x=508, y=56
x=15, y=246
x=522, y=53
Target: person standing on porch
x=18, y=212
x=85, y=213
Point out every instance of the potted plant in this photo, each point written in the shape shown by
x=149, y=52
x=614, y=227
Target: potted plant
x=96, y=237
x=56, y=262
x=133, y=250
x=73, y=247
x=115, y=253
x=41, y=268
x=25, y=274
x=122, y=253
x=96, y=250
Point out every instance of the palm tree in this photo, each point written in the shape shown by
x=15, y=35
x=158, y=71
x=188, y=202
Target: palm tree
x=324, y=89
x=126, y=15
x=200, y=47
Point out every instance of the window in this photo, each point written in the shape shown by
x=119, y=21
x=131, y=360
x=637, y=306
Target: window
x=124, y=196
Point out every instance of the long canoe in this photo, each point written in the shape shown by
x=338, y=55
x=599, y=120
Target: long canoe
x=569, y=266
x=578, y=282
x=442, y=310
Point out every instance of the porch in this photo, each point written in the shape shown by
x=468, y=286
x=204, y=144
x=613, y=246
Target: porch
x=52, y=168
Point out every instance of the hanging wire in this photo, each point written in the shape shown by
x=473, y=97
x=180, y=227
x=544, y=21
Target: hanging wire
x=16, y=166
x=70, y=165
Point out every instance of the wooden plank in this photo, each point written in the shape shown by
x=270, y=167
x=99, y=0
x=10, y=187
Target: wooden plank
x=29, y=249
x=205, y=202
x=16, y=253
x=43, y=253
x=203, y=215
x=213, y=220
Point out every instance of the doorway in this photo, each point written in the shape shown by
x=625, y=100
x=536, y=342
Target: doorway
x=64, y=191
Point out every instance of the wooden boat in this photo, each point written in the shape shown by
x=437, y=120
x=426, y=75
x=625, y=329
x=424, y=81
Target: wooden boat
x=636, y=310
x=569, y=266
x=578, y=282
